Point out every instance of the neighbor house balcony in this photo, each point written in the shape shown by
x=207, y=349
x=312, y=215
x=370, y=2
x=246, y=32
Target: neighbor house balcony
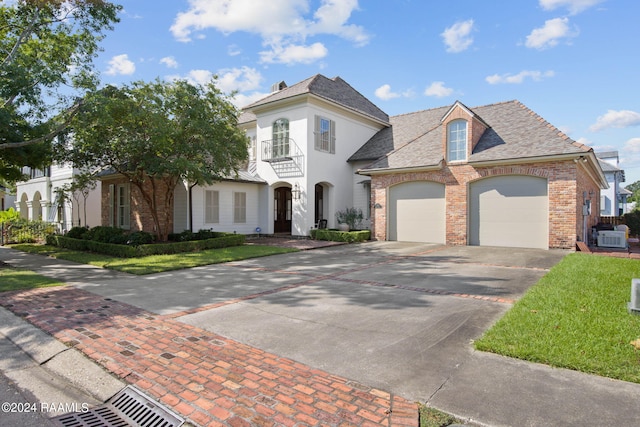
x=284, y=156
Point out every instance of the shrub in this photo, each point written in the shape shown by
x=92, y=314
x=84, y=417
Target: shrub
x=632, y=220
x=351, y=216
x=77, y=232
x=105, y=234
x=138, y=238
x=124, y=251
x=341, y=236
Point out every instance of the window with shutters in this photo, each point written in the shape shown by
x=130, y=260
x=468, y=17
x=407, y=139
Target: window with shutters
x=239, y=207
x=123, y=206
x=211, y=207
x=325, y=135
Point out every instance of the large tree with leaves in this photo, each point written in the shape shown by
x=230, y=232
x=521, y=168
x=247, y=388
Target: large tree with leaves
x=47, y=49
x=159, y=132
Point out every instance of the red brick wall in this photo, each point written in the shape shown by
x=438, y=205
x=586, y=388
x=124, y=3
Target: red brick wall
x=565, y=185
x=140, y=218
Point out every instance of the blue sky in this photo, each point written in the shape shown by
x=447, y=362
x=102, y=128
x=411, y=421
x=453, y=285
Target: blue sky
x=574, y=62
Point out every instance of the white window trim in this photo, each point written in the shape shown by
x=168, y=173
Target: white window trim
x=324, y=142
x=466, y=134
x=123, y=206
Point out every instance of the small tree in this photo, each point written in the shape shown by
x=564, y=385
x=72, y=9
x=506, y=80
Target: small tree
x=81, y=186
x=350, y=216
x=160, y=132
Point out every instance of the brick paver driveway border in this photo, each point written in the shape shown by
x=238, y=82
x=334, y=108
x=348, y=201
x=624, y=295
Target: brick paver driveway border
x=208, y=379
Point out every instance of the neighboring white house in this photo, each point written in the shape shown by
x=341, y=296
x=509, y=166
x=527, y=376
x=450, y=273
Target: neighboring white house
x=37, y=198
x=613, y=200
x=7, y=200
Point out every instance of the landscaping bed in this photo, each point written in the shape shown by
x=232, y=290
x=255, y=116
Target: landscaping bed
x=113, y=241
x=340, y=236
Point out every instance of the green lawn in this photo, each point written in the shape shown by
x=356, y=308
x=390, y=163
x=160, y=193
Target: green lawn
x=575, y=317
x=157, y=263
x=12, y=279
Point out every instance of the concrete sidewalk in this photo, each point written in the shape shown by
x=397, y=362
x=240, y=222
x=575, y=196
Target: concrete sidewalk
x=217, y=380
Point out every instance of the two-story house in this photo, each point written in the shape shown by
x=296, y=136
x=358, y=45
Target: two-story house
x=38, y=198
x=613, y=199
x=495, y=175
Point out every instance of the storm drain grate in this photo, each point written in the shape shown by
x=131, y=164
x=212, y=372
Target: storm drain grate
x=128, y=408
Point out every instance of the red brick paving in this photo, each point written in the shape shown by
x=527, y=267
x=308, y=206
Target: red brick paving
x=206, y=378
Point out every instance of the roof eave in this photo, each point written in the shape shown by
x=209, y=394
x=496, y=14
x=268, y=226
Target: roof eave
x=388, y=171
x=594, y=171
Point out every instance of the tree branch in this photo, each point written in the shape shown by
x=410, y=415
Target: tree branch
x=73, y=110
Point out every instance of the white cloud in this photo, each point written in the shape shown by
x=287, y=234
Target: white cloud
x=574, y=6
x=233, y=50
x=169, y=61
x=284, y=25
x=238, y=79
x=200, y=77
x=121, y=65
x=457, y=38
x=632, y=146
x=616, y=119
x=518, y=78
x=550, y=34
x=293, y=54
x=438, y=89
x=384, y=92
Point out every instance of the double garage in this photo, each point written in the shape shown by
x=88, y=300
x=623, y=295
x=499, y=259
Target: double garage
x=511, y=211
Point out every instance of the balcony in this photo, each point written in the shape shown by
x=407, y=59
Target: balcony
x=285, y=157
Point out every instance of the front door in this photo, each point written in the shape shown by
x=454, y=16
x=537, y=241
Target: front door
x=282, y=210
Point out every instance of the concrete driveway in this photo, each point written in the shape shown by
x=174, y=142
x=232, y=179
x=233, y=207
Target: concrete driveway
x=396, y=316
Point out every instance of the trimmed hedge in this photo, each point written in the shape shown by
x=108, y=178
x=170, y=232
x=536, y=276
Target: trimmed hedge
x=124, y=251
x=341, y=236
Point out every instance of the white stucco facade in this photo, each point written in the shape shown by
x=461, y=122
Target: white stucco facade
x=37, y=199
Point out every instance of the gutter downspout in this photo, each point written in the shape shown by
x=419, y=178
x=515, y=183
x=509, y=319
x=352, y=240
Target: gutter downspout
x=190, y=196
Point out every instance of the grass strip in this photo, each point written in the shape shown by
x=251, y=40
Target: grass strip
x=575, y=317
x=12, y=279
x=157, y=263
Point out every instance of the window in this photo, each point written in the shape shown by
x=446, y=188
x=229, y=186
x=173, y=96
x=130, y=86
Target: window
x=124, y=211
x=211, y=207
x=325, y=135
x=119, y=203
x=457, y=141
x=280, y=138
x=239, y=208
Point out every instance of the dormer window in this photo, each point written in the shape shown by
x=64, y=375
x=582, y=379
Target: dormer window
x=457, y=141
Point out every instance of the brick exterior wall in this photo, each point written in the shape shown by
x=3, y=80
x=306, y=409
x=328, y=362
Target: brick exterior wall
x=140, y=213
x=566, y=183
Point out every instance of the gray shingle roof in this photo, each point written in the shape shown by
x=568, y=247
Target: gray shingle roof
x=334, y=90
x=515, y=132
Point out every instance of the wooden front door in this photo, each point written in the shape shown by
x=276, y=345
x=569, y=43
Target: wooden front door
x=282, y=210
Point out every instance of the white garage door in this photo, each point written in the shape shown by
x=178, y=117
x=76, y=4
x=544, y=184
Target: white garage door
x=417, y=212
x=509, y=211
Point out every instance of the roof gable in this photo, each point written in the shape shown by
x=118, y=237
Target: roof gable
x=335, y=91
x=514, y=132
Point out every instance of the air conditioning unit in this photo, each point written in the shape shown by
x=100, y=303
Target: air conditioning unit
x=612, y=239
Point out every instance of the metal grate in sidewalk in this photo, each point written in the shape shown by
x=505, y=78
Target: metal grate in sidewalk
x=128, y=408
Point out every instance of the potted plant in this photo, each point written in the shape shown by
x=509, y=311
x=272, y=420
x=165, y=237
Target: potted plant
x=349, y=219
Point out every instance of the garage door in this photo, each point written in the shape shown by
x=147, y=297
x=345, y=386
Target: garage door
x=417, y=212
x=509, y=211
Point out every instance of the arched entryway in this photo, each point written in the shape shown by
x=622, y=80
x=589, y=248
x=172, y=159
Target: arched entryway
x=282, y=210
